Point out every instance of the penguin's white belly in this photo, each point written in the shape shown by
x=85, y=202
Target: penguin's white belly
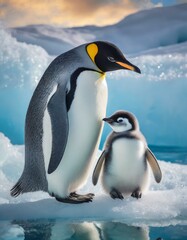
x=127, y=169
x=85, y=124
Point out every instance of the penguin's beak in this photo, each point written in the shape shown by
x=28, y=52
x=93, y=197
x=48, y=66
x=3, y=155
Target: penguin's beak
x=127, y=65
x=108, y=120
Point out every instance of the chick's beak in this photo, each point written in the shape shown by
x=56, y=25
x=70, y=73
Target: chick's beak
x=108, y=120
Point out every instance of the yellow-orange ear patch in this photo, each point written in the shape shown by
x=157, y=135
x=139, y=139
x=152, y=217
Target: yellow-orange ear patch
x=92, y=50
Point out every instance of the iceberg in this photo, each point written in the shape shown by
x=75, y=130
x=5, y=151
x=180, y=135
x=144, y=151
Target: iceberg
x=157, y=97
x=165, y=203
x=21, y=66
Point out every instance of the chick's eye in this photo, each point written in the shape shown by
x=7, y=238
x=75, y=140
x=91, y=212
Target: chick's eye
x=111, y=59
x=120, y=120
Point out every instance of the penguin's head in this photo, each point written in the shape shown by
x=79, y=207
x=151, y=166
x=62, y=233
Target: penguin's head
x=107, y=57
x=122, y=121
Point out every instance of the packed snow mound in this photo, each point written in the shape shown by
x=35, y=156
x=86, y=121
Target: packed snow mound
x=20, y=64
x=138, y=32
x=165, y=202
x=21, y=67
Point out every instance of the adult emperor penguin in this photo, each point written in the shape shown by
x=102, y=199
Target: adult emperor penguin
x=123, y=162
x=64, y=121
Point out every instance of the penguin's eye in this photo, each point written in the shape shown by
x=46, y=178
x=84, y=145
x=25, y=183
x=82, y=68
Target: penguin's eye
x=120, y=120
x=111, y=59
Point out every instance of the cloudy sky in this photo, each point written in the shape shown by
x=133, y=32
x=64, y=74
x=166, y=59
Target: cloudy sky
x=69, y=13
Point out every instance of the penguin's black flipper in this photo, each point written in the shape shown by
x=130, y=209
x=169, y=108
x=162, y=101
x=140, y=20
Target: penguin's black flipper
x=154, y=165
x=98, y=166
x=60, y=127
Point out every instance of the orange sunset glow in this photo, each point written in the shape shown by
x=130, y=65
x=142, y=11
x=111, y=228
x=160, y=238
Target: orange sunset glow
x=68, y=13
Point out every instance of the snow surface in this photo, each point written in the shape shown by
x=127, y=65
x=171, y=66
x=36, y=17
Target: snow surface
x=165, y=203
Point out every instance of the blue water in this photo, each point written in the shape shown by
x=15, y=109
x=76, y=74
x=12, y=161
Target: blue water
x=60, y=230
x=170, y=154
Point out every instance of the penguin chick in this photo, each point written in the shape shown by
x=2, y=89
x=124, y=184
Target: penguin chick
x=123, y=162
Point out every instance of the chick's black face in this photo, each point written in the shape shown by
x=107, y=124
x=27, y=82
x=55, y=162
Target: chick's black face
x=121, y=118
x=110, y=58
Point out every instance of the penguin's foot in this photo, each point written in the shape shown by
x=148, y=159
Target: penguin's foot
x=136, y=194
x=75, y=198
x=116, y=194
x=89, y=195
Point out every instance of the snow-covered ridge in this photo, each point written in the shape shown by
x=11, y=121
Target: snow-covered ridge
x=138, y=32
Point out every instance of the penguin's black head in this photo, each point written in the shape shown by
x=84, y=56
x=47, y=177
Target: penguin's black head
x=122, y=121
x=107, y=57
